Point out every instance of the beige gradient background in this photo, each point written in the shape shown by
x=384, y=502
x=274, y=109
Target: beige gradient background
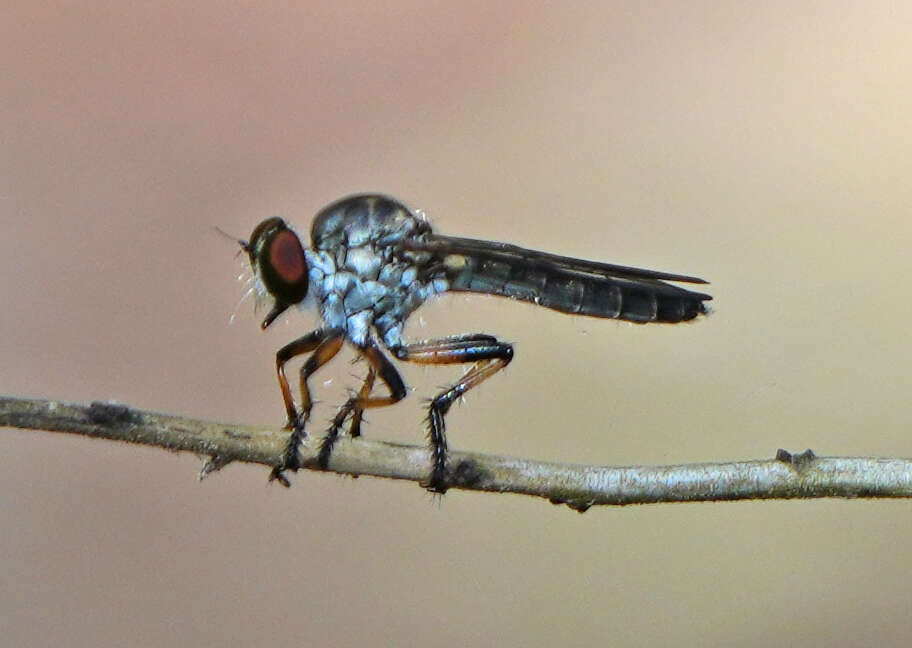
x=767, y=147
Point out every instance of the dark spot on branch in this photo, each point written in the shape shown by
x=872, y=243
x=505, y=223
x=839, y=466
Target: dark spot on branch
x=231, y=434
x=110, y=414
x=467, y=473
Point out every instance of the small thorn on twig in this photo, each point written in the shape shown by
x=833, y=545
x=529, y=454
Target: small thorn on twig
x=580, y=506
x=802, y=460
x=278, y=475
x=213, y=463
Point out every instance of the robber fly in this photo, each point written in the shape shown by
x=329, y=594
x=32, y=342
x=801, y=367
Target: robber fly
x=372, y=262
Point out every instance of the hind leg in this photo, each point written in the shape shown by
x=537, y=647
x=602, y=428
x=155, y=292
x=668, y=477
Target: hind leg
x=489, y=356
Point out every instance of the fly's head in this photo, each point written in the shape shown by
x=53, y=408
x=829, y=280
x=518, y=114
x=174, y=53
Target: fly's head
x=279, y=265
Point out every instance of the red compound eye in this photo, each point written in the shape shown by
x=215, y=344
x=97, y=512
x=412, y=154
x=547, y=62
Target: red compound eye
x=287, y=257
x=279, y=262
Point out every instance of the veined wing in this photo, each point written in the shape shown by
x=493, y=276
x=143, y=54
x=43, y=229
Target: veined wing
x=563, y=283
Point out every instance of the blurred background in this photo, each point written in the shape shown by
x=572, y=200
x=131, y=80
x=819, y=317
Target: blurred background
x=766, y=147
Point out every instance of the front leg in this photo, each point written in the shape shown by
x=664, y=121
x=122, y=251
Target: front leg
x=325, y=343
x=489, y=355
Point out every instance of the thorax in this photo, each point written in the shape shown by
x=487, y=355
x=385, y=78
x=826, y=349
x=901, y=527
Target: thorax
x=357, y=276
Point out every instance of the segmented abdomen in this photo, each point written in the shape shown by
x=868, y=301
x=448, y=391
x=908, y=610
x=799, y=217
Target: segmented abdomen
x=633, y=300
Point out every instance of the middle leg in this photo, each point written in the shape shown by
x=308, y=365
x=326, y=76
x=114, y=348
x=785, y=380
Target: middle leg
x=353, y=407
x=379, y=366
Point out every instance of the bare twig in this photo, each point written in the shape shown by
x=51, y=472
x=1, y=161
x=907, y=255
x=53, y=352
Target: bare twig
x=785, y=477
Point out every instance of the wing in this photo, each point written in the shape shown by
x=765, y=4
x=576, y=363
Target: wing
x=563, y=283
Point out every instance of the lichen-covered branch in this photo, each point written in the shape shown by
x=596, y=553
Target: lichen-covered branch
x=786, y=476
